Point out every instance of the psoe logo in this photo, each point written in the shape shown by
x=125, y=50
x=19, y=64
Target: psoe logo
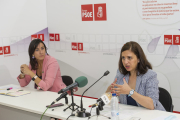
x=80, y=46
x=41, y=36
x=33, y=37
x=1, y=50
x=74, y=46
x=100, y=12
x=87, y=12
x=51, y=37
x=176, y=40
x=168, y=39
x=57, y=37
x=7, y=50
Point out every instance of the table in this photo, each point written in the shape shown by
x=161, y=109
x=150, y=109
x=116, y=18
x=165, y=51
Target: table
x=31, y=107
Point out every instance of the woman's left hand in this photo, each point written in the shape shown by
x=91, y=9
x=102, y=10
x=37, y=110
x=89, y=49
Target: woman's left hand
x=121, y=89
x=25, y=69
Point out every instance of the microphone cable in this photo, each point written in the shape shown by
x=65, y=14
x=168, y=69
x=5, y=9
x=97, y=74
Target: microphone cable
x=91, y=110
x=70, y=116
x=44, y=112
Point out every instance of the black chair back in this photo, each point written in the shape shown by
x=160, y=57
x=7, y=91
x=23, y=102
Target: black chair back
x=165, y=99
x=67, y=80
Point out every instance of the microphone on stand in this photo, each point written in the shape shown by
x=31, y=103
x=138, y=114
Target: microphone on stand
x=79, y=82
x=82, y=113
x=103, y=100
x=60, y=97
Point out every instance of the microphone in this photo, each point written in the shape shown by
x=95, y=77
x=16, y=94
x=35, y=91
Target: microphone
x=103, y=100
x=60, y=97
x=106, y=98
x=106, y=73
x=82, y=113
x=80, y=82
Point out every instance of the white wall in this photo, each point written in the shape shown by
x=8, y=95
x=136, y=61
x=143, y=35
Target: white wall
x=102, y=40
x=19, y=19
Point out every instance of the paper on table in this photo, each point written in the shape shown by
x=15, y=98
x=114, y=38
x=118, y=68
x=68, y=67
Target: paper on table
x=14, y=92
x=6, y=87
x=123, y=114
x=171, y=117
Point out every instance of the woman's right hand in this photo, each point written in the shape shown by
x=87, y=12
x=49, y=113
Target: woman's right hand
x=21, y=76
x=109, y=89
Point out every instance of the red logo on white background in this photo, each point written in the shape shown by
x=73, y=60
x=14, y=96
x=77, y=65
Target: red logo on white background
x=41, y=36
x=51, y=37
x=80, y=46
x=87, y=12
x=57, y=37
x=100, y=12
x=33, y=37
x=74, y=46
x=1, y=50
x=7, y=50
x=168, y=39
x=176, y=39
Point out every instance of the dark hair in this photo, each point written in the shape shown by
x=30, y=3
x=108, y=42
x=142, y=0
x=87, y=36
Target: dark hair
x=32, y=47
x=143, y=64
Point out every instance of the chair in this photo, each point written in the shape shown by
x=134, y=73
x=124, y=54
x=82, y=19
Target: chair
x=165, y=99
x=67, y=80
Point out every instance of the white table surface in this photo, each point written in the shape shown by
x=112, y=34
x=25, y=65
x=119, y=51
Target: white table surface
x=36, y=101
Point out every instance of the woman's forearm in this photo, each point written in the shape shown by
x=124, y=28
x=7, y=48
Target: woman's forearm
x=145, y=101
x=37, y=80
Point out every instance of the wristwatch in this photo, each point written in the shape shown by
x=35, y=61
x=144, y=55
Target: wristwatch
x=34, y=78
x=131, y=93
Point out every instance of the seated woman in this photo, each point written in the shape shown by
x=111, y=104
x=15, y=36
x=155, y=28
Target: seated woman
x=43, y=69
x=135, y=82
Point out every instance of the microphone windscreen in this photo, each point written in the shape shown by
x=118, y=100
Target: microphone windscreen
x=82, y=81
x=106, y=73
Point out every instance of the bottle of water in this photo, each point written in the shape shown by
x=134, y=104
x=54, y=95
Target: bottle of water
x=114, y=107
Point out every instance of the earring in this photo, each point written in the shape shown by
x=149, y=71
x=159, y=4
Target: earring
x=33, y=57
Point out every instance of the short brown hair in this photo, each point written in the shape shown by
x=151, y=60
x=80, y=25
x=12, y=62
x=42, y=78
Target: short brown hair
x=143, y=64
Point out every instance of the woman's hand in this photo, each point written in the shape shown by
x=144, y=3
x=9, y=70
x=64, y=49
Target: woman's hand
x=21, y=76
x=109, y=89
x=74, y=90
x=121, y=89
x=25, y=69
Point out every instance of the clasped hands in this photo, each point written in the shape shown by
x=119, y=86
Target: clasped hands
x=121, y=89
x=25, y=69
